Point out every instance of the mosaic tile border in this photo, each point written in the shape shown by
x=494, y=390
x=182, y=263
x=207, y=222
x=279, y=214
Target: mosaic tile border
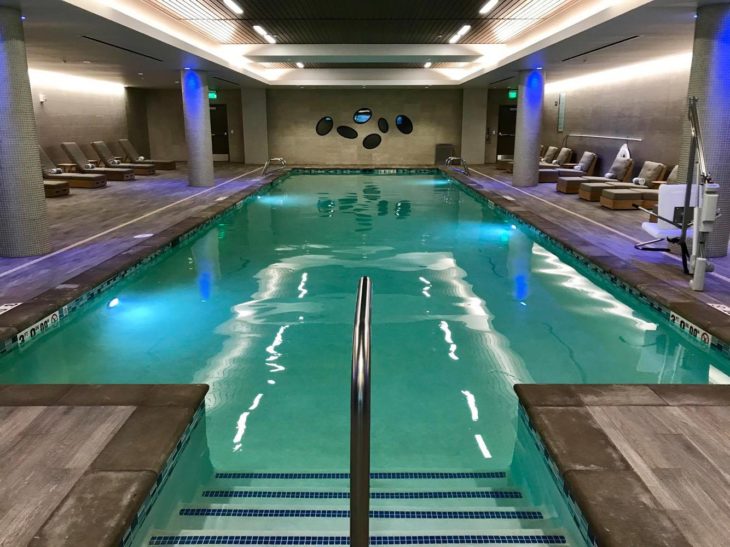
x=59, y=316
x=575, y=511
x=486, y=494
x=389, y=475
x=586, y=263
x=168, y=468
x=501, y=539
x=365, y=171
x=343, y=513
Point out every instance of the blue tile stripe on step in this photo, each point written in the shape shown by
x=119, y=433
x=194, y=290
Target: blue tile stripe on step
x=340, y=513
x=543, y=539
x=492, y=494
x=403, y=475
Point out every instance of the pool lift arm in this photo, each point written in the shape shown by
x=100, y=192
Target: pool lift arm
x=702, y=196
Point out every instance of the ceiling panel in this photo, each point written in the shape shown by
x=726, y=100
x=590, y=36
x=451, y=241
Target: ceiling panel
x=357, y=22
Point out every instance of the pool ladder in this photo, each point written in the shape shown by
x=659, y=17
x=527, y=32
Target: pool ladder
x=278, y=163
x=360, y=419
x=455, y=161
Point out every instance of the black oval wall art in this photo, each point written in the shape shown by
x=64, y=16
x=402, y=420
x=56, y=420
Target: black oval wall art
x=362, y=115
x=372, y=141
x=404, y=124
x=324, y=126
x=383, y=125
x=347, y=132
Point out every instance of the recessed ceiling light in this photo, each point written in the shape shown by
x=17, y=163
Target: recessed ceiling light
x=269, y=38
x=234, y=7
x=86, y=62
x=539, y=68
x=489, y=6
x=260, y=30
x=140, y=73
x=462, y=31
x=300, y=65
x=427, y=64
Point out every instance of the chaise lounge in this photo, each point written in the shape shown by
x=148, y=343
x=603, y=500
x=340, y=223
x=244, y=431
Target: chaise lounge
x=584, y=167
x=77, y=156
x=52, y=172
x=650, y=171
x=133, y=156
x=108, y=158
x=644, y=193
x=56, y=188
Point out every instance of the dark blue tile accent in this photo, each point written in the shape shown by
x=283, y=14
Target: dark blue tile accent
x=395, y=475
x=500, y=539
x=469, y=494
x=340, y=513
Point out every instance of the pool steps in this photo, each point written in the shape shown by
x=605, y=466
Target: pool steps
x=313, y=509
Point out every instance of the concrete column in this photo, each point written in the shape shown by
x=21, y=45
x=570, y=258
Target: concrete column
x=255, y=125
x=474, y=125
x=531, y=92
x=709, y=81
x=23, y=214
x=196, y=110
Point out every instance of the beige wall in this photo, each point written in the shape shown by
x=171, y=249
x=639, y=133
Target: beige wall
x=474, y=124
x=652, y=109
x=80, y=117
x=167, y=128
x=293, y=114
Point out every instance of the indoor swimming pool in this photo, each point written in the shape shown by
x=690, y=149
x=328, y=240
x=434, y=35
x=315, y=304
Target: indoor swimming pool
x=466, y=303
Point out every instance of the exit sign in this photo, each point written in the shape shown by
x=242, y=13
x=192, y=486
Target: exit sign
x=212, y=94
x=511, y=93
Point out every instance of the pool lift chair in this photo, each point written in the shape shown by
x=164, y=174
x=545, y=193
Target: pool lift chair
x=458, y=164
x=687, y=211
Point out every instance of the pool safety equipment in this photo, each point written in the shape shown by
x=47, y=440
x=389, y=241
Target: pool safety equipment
x=694, y=217
x=458, y=164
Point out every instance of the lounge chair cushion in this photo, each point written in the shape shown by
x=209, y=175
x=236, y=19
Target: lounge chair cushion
x=550, y=155
x=563, y=157
x=569, y=185
x=672, y=178
x=619, y=169
x=586, y=162
x=592, y=191
x=651, y=171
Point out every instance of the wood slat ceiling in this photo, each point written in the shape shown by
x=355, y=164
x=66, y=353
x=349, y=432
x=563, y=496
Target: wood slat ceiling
x=358, y=22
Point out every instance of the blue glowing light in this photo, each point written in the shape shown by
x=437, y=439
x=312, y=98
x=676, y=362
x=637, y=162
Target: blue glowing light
x=113, y=303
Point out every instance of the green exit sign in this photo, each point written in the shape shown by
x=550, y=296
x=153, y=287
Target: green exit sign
x=212, y=94
x=511, y=93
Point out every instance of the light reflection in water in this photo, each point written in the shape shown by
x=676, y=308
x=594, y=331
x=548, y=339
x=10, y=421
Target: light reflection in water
x=483, y=447
x=472, y=403
x=444, y=326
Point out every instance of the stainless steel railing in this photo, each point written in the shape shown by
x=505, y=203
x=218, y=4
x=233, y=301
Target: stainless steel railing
x=279, y=162
x=360, y=420
x=455, y=161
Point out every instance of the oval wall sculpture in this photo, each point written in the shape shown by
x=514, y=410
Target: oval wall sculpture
x=404, y=124
x=347, y=132
x=383, y=125
x=324, y=126
x=362, y=115
x=372, y=141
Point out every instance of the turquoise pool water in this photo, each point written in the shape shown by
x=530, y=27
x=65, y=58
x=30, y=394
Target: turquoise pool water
x=465, y=305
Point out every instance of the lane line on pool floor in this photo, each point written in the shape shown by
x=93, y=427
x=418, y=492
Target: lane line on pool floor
x=613, y=230
x=123, y=225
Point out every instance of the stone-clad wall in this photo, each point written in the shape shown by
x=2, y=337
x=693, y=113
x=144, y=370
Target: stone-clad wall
x=293, y=114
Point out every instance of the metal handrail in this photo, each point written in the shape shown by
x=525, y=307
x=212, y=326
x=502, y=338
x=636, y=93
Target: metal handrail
x=360, y=420
x=455, y=160
x=280, y=161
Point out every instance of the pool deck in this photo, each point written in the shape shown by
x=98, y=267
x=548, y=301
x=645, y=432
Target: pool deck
x=606, y=238
x=78, y=461
x=647, y=465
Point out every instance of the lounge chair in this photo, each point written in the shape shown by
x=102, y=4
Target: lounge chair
x=56, y=188
x=108, y=158
x=74, y=180
x=134, y=156
x=76, y=155
x=650, y=171
x=563, y=157
x=550, y=154
x=584, y=167
x=620, y=171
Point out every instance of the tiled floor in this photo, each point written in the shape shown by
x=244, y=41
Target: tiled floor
x=78, y=461
x=648, y=465
x=91, y=226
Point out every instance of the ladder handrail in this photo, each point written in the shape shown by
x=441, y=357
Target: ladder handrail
x=280, y=161
x=360, y=420
x=451, y=160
